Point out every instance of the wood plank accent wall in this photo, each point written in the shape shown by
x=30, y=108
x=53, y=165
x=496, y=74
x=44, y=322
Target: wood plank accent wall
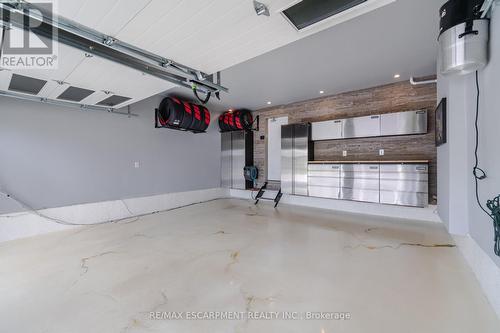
x=401, y=96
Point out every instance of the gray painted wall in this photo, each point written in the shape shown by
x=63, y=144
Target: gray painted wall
x=456, y=196
x=52, y=156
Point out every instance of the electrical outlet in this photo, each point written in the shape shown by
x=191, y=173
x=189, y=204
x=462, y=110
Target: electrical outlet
x=137, y=165
x=381, y=152
x=344, y=153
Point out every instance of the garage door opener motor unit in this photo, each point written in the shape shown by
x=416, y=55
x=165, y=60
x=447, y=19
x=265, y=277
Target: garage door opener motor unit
x=463, y=36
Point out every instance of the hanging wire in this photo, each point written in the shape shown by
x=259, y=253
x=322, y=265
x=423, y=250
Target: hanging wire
x=480, y=174
x=29, y=209
x=195, y=91
x=2, y=42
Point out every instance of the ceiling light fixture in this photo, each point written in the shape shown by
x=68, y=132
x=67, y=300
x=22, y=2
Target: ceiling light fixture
x=321, y=92
x=269, y=103
x=397, y=76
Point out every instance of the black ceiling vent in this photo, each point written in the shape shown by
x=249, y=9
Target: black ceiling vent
x=26, y=84
x=75, y=94
x=309, y=12
x=113, y=100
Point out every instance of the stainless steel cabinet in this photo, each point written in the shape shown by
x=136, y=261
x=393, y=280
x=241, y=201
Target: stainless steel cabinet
x=406, y=184
x=395, y=184
x=361, y=127
x=295, y=155
x=360, y=182
x=326, y=130
x=226, y=160
x=401, y=123
x=324, y=180
x=236, y=153
x=238, y=160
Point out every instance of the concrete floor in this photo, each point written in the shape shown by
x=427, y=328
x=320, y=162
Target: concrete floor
x=228, y=255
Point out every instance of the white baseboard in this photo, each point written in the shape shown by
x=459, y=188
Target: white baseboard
x=428, y=214
x=486, y=271
x=22, y=225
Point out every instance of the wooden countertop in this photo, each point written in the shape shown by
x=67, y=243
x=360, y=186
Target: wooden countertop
x=372, y=162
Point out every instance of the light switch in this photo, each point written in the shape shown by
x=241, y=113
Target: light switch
x=137, y=165
x=344, y=153
x=381, y=152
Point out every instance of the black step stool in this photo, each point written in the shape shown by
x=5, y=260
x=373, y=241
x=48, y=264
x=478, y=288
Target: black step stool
x=261, y=192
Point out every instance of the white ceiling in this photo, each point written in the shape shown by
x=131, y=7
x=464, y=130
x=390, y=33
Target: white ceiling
x=209, y=35
x=364, y=52
x=263, y=58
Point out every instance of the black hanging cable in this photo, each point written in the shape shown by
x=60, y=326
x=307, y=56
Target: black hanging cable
x=480, y=174
x=203, y=101
x=4, y=29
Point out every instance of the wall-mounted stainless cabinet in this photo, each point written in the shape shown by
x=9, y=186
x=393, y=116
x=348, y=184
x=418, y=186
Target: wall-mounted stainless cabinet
x=361, y=127
x=400, y=123
x=326, y=130
x=236, y=153
x=295, y=155
x=404, y=123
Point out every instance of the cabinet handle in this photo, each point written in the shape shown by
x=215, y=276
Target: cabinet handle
x=375, y=117
x=421, y=112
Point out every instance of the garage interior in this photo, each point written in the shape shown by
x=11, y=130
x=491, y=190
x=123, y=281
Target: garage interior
x=249, y=166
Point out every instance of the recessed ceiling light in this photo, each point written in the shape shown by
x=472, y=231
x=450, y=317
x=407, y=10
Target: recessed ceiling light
x=269, y=103
x=397, y=76
x=230, y=110
x=321, y=91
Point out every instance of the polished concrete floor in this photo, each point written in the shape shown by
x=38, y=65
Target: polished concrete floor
x=266, y=270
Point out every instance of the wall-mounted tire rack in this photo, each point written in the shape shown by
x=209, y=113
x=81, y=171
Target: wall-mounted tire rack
x=255, y=126
x=158, y=125
x=94, y=42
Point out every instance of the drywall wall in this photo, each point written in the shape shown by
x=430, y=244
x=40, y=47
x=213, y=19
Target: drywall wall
x=456, y=188
x=395, y=97
x=52, y=156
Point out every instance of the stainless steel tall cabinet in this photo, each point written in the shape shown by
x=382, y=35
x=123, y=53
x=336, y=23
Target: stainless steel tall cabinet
x=236, y=153
x=296, y=151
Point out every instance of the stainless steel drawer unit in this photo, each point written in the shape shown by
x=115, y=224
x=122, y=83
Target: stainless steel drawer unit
x=404, y=184
x=360, y=182
x=324, y=180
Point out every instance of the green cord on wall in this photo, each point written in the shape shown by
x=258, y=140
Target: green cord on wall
x=494, y=207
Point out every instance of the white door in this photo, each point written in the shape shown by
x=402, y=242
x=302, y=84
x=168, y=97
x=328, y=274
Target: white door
x=274, y=147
